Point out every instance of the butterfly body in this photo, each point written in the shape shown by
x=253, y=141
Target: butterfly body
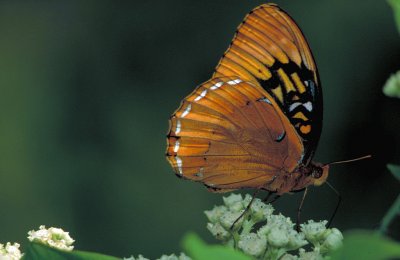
x=256, y=123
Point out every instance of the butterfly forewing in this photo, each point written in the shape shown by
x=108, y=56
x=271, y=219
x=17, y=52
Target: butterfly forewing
x=270, y=51
x=232, y=134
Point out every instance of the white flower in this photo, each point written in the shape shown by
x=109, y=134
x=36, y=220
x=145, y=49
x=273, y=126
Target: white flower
x=234, y=202
x=53, y=237
x=261, y=234
x=10, y=251
x=333, y=240
x=252, y=244
x=260, y=211
x=289, y=257
x=140, y=257
x=229, y=218
x=315, y=232
x=313, y=255
x=218, y=231
x=296, y=240
x=280, y=233
x=182, y=256
x=214, y=214
x=278, y=238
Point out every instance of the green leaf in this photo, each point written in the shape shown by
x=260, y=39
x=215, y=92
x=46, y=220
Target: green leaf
x=395, y=170
x=394, y=210
x=392, y=86
x=368, y=246
x=36, y=251
x=199, y=250
x=395, y=4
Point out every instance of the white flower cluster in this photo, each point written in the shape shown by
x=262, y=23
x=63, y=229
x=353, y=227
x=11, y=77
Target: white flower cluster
x=10, y=251
x=182, y=256
x=53, y=237
x=275, y=237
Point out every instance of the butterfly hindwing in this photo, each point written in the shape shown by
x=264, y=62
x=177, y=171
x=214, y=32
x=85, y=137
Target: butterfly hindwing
x=231, y=134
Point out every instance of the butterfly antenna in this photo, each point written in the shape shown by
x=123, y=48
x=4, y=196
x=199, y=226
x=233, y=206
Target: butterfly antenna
x=351, y=160
x=337, y=204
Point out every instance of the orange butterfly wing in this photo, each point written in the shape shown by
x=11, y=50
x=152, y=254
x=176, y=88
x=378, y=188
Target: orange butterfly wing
x=270, y=50
x=230, y=134
x=267, y=34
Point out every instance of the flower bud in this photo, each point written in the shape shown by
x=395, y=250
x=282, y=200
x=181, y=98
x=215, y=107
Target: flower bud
x=10, y=251
x=214, y=214
x=229, y=218
x=252, y=244
x=314, y=231
x=296, y=240
x=182, y=256
x=313, y=255
x=234, y=202
x=289, y=257
x=260, y=211
x=333, y=240
x=277, y=237
x=140, y=257
x=218, y=231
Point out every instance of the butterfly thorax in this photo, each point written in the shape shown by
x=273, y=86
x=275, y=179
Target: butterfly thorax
x=303, y=176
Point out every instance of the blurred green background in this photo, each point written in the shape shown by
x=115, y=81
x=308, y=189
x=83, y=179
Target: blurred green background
x=87, y=88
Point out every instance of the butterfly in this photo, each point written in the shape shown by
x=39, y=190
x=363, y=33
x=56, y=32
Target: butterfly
x=257, y=122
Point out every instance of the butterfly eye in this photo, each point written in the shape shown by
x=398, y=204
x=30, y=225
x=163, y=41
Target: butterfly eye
x=317, y=173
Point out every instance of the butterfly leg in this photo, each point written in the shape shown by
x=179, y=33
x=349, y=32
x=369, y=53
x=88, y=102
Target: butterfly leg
x=268, y=196
x=299, y=210
x=246, y=210
x=337, y=204
x=275, y=198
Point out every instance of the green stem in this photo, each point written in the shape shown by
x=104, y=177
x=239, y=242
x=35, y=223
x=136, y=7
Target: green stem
x=247, y=226
x=390, y=215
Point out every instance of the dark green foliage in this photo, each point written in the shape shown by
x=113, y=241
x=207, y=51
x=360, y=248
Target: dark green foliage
x=396, y=9
x=367, y=246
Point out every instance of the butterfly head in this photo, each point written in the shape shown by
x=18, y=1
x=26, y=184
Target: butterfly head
x=312, y=174
x=319, y=173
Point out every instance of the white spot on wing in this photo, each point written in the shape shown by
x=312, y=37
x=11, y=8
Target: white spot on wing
x=202, y=94
x=234, y=82
x=266, y=100
x=306, y=83
x=179, y=163
x=308, y=106
x=216, y=85
x=293, y=106
x=178, y=127
x=187, y=110
x=176, y=147
x=199, y=173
